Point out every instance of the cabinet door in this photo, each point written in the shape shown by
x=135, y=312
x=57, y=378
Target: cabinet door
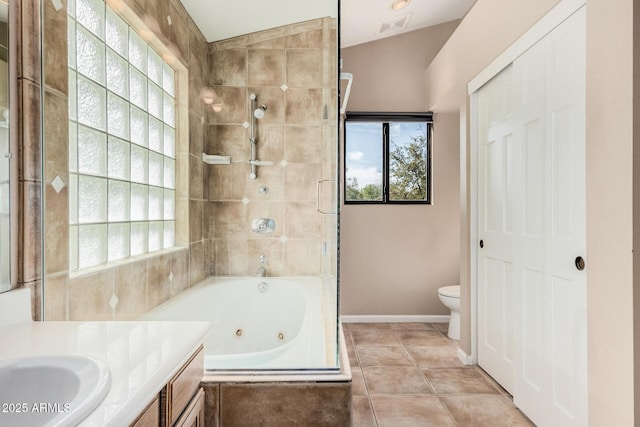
x=193, y=416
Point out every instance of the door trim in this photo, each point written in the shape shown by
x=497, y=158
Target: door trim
x=563, y=10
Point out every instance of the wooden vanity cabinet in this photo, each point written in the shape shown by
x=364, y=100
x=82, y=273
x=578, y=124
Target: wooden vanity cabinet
x=181, y=401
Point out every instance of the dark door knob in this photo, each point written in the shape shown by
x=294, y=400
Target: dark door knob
x=580, y=264
x=481, y=244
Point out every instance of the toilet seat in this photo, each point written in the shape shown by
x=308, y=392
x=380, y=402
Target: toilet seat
x=450, y=291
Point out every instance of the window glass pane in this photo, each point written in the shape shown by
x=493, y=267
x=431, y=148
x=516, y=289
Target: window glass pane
x=363, y=161
x=139, y=127
x=118, y=241
x=169, y=142
x=90, y=51
x=154, y=67
x=139, y=238
x=169, y=234
x=73, y=147
x=92, y=199
x=168, y=76
x=139, y=200
x=138, y=88
x=156, y=136
x=407, y=161
x=156, y=234
x=155, y=100
x=117, y=74
x=119, y=160
x=92, y=104
x=71, y=40
x=92, y=151
x=73, y=248
x=169, y=204
x=117, y=116
x=139, y=164
x=73, y=101
x=92, y=245
x=117, y=34
x=119, y=199
x=156, y=169
x=73, y=198
x=169, y=111
x=137, y=51
x=90, y=13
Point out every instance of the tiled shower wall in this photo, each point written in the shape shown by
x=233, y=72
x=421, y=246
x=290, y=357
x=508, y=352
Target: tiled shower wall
x=292, y=70
x=127, y=289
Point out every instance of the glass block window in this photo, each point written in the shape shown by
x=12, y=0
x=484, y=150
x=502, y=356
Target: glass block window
x=121, y=140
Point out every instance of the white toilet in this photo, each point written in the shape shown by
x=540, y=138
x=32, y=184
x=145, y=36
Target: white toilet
x=450, y=297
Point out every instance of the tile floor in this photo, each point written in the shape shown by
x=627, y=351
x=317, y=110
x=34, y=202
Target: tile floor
x=408, y=374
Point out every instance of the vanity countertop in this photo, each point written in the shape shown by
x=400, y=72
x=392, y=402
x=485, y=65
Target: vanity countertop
x=142, y=356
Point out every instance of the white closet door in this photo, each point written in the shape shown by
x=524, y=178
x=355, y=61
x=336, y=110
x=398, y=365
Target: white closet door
x=495, y=224
x=550, y=357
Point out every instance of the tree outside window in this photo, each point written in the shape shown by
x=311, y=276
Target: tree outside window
x=387, y=158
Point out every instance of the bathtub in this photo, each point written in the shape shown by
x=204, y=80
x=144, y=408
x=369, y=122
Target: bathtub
x=259, y=323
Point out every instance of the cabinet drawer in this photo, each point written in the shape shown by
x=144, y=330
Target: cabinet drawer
x=193, y=416
x=150, y=417
x=182, y=387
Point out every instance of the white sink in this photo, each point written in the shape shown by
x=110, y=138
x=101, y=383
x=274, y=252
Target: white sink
x=51, y=390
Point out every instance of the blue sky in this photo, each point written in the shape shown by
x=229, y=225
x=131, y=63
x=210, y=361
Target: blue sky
x=364, y=148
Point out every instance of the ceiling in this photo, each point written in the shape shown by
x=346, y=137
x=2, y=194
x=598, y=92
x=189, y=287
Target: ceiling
x=361, y=20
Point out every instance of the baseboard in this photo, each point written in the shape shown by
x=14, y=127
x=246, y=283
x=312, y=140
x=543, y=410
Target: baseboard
x=465, y=358
x=366, y=318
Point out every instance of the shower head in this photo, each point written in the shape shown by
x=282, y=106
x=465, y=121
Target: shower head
x=260, y=112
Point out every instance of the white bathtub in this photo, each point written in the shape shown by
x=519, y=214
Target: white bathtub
x=258, y=322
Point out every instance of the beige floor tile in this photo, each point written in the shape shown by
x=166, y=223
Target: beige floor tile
x=395, y=380
x=353, y=358
x=484, y=411
x=358, y=387
x=435, y=356
x=467, y=380
x=374, y=337
x=441, y=326
x=412, y=326
x=372, y=355
x=410, y=411
x=362, y=412
x=422, y=338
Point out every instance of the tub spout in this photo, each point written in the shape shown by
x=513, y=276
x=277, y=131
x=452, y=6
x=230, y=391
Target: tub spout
x=262, y=272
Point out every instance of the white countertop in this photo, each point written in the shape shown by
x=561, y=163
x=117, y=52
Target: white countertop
x=142, y=356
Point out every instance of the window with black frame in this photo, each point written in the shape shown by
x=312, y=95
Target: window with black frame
x=387, y=157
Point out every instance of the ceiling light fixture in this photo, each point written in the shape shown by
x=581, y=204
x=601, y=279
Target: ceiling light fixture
x=399, y=4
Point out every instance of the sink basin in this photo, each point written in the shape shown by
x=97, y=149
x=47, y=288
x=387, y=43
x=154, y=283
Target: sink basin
x=56, y=390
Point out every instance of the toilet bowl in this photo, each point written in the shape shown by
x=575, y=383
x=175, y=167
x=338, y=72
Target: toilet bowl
x=450, y=297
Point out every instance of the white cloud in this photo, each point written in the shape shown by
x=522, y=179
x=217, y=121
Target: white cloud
x=355, y=156
x=365, y=176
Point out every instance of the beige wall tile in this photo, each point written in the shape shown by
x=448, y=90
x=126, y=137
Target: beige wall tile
x=304, y=106
x=229, y=220
x=28, y=54
x=228, y=140
x=196, y=134
x=238, y=262
x=227, y=182
x=265, y=67
x=234, y=109
x=158, y=282
x=304, y=68
x=55, y=47
x=55, y=303
x=28, y=109
x=89, y=296
x=221, y=250
x=302, y=257
x=180, y=268
x=197, y=263
x=270, y=144
x=36, y=299
x=228, y=67
x=56, y=229
x=271, y=177
x=130, y=286
x=302, y=220
x=29, y=250
x=301, y=181
x=56, y=137
x=273, y=99
x=270, y=247
x=195, y=220
x=303, y=144
x=265, y=209
x=306, y=40
x=195, y=177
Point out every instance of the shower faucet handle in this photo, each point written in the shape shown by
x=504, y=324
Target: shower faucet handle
x=263, y=259
x=263, y=225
